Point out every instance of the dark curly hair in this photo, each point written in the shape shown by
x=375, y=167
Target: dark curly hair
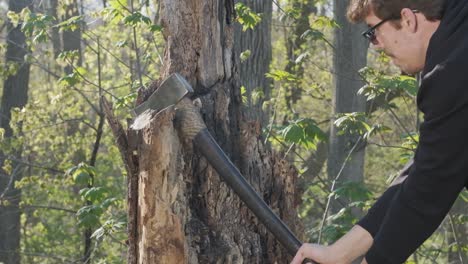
x=359, y=9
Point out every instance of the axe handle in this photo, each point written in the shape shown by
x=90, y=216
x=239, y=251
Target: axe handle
x=206, y=144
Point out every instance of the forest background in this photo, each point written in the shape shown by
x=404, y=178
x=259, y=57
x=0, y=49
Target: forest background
x=308, y=82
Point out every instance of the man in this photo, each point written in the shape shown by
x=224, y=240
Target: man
x=428, y=36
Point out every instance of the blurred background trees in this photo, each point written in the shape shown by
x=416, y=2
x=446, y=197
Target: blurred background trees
x=338, y=111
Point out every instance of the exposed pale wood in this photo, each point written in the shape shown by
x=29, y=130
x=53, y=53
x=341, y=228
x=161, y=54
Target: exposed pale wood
x=185, y=213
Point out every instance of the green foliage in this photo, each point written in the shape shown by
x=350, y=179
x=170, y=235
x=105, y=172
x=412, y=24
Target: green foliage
x=246, y=17
x=245, y=55
x=71, y=24
x=135, y=19
x=36, y=25
x=352, y=123
x=304, y=132
x=379, y=84
x=410, y=142
x=282, y=76
x=82, y=174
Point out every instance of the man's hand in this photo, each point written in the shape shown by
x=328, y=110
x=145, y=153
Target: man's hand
x=317, y=253
x=348, y=248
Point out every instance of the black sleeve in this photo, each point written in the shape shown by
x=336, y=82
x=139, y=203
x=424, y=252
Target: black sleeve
x=374, y=217
x=421, y=202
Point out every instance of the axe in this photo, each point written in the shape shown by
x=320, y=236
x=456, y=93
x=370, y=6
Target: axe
x=175, y=91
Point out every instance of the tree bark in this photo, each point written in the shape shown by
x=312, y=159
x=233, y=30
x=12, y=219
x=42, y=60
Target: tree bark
x=252, y=71
x=71, y=40
x=294, y=47
x=350, y=55
x=15, y=94
x=54, y=31
x=184, y=213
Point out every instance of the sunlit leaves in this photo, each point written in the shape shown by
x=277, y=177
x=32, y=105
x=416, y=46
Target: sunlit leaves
x=304, y=132
x=352, y=191
x=280, y=75
x=324, y=22
x=94, y=194
x=245, y=55
x=379, y=84
x=125, y=101
x=82, y=174
x=313, y=35
x=98, y=197
x=409, y=145
x=109, y=227
x=32, y=24
x=243, y=91
x=246, y=17
x=71, y=24
x=135, y=19
x=352, y=123
x=73, y=78
x=88, y=216
x=14, y=18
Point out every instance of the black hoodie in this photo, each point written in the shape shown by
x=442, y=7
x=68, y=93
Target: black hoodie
x=408, y=213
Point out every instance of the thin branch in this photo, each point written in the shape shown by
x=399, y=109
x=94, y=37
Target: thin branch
x=333, y=187
x=31, y=206
x=35, y=165
x=11, y=181
x=455, y=237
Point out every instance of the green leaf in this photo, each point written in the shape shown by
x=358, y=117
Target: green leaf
x=81, y=178
x=82, y=174
x=70, y=24
x=280, y=75
x=88, y=216
x=245, y=55
x=94, y=194
x=353, y=191
x=352, y=123
x=156, y=28
x=313, y=34
x=14, y=18
x=304, y=132
x=244, y=94
x=136, y=18
x=323, y=22
x=246, y=17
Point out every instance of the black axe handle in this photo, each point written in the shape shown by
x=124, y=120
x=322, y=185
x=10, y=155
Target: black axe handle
x=206, y=144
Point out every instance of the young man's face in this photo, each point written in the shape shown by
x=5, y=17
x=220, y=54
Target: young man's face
x=402, y=45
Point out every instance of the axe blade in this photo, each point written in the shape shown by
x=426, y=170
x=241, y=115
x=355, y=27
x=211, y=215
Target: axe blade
x=171, y=91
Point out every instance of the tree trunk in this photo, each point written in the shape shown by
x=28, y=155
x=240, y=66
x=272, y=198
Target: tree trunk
x=15, y=94
x=182, y=212
x=350, y=55
x=294, y=47
x=252, y=71
x=72, y=39
x=54, y=31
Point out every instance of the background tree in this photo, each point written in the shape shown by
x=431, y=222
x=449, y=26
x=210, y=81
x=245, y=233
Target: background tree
x=346, y=147
x=15, y=96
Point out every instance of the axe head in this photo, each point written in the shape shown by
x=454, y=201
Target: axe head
x=171, y=91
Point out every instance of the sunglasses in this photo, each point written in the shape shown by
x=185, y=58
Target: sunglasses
x=370, y=33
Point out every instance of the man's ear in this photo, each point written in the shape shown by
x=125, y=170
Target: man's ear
x=409, y=21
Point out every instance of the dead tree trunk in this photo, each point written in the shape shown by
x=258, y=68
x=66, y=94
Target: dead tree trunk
x=179, y=209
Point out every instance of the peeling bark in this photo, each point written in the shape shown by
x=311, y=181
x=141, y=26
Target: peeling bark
x=185, y=213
